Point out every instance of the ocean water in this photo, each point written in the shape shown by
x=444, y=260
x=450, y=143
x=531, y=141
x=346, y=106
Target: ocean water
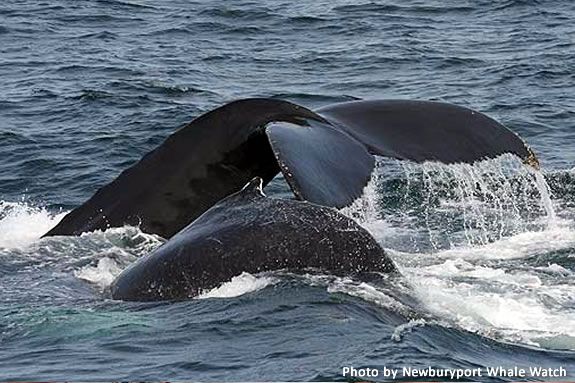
x=486, y=252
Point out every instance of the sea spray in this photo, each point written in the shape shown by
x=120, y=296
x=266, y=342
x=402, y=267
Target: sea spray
x=545, y=192
x=365, y=208
x=452, y=205
x=22, y=223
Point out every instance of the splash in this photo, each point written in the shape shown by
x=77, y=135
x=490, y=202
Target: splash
x=239, y=285
x=364, y=209
x=496, y=198
x=470, y=241
x=103, y=274
x=109, y=252
x=441, y=206
x=545, y=192
x=21, y=223
x=472, y=204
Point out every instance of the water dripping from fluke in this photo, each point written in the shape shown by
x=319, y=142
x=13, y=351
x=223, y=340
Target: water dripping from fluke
x=445, y=206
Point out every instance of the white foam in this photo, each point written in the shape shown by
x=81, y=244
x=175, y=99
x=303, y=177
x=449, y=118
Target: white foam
x=22, y=224
x=112, y=251
x=472, y=289
x=405, y=328
x=239, y=285
x=514, y=314
x=103, y=274
x=556, y=269
x=362, y=290
x=484, y=223
x=517, y=246
x=365, y=291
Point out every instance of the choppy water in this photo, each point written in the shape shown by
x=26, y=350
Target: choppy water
x=487, y=259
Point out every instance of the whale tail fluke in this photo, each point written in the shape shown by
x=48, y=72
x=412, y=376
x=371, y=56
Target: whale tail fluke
x=213, y=156
x=326, y=157
x=425, y=131
x=329, y=162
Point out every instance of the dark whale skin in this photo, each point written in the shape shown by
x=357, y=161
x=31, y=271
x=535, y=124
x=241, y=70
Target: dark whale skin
x=212, y=157
x=326, y=157
x=422, y=131
x=248, y=232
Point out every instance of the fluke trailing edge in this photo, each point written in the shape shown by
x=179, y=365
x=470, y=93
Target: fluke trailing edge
x=326, y=157
x=248, y=232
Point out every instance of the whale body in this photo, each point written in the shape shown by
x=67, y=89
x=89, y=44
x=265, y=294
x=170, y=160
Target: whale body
x=248, y=232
